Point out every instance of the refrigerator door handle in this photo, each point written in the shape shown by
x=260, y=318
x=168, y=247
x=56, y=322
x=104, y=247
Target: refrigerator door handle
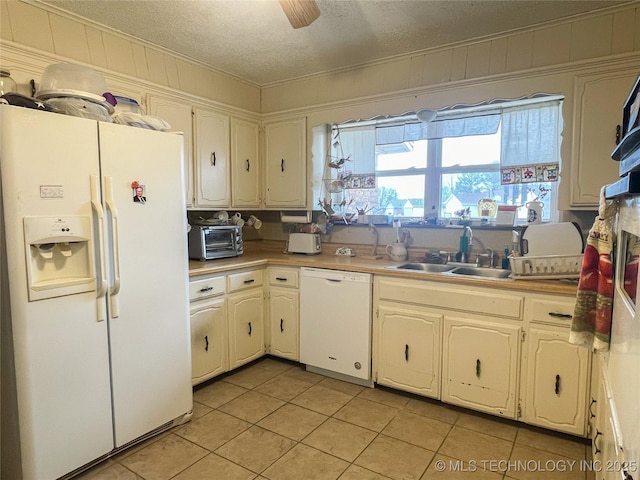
x=115, y=288
x=101, y=288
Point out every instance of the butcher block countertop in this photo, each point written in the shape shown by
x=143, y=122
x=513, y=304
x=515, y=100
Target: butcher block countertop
x=271, y=253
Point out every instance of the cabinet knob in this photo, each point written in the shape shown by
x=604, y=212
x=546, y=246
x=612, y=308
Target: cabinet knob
x=557, y=385
x=248, y=165
x=249, y=281
x=593, y=401
x=406, y=353
x=281, y=325
x=478, y=366
x=249, y=328
x=560, y=315
x=282, y=165
x=206, y=289
x=281, y=279
x=213, y=158
x=206, y=343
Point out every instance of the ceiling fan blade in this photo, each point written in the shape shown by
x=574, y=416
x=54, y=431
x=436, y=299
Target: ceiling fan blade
x=300, y=13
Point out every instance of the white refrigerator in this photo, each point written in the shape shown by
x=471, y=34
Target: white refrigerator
x=94, y=280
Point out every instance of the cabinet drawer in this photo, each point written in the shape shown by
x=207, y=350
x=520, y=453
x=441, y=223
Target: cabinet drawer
x=457, y=297
x=284, y=277
x=242, y=280
x=554, y=311
x=205, y=288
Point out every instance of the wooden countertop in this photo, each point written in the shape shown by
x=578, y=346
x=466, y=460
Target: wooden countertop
x=262, y=253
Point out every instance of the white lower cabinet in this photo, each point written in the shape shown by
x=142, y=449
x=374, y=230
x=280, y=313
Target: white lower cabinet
x=209, y=337
x=246, y=326
x=480, y=365
x=208, y=340
x=227, y=331
x=284, y=319
x=557, y=379
x=284, y=312
x=408, y=349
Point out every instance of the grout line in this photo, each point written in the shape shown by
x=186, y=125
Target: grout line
x=397, y=411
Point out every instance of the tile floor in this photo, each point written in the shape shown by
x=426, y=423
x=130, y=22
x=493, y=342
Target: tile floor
x=274, y=420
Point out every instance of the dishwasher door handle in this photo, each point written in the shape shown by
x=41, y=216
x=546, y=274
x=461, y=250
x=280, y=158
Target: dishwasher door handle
x=334, y=280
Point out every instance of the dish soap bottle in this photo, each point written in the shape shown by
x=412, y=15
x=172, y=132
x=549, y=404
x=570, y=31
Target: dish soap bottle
x=505, y=259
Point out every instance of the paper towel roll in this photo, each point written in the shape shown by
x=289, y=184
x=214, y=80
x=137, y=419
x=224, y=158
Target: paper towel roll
x=306, y=218
x=294, y=219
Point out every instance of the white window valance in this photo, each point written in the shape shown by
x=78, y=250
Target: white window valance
x=456, y=127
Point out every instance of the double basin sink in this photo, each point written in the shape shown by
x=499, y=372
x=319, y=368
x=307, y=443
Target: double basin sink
x=453, y=269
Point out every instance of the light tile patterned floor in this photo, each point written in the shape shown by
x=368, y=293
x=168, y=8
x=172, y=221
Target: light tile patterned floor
x=273, y=420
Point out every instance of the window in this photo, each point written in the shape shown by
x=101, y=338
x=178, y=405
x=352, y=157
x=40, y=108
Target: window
x=445, y=168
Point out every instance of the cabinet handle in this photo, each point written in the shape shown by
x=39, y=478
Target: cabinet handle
x=557, y=387
x=206, y=343
x=281, y=325
x=560, y=315
x=593, y=401
x=478, y=368
x=249, y=281
x=206, y=289
x=595, y=444
x=248, y=165
x=406, y=353
x=213, y=158
x=249, y=328
x=281, y=279
x=627, y=475
x=282, y=165
x=618, y=134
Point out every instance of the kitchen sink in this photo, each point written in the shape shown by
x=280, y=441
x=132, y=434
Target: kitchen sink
x=423, y=267
x=480, y=272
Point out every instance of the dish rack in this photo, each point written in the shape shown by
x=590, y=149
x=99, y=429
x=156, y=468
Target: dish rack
x=546, y=267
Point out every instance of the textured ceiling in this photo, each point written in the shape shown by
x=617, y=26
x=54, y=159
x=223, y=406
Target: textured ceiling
x=253, y=39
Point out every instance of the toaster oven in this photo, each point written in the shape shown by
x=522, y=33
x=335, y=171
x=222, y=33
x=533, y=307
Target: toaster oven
x=215, y=241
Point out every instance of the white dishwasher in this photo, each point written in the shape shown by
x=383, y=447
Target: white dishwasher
x=335, y=324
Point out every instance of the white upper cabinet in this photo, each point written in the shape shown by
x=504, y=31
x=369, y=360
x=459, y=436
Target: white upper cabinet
x=245, y=166
x=179, y=116
x=285, y=163
x=212, y=159
x=598, y=102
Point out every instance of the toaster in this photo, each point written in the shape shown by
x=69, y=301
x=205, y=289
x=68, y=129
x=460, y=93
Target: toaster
x=308, y=243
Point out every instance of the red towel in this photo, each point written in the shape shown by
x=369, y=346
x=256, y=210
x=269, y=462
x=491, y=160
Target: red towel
x=591, y=324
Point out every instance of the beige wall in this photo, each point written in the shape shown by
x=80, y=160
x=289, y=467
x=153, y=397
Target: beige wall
x=607, y=33
x=544, y=59
x=62, y=35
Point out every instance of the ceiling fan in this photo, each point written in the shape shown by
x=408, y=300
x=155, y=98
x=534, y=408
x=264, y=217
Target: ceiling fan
x=301, y=13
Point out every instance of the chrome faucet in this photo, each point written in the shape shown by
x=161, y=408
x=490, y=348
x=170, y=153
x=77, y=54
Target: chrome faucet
x=489, y=255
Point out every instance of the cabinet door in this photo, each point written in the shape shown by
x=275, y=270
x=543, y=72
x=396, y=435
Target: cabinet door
x=557, y=378
x=208, y=341
x=285, y=163
x=598, y=101
x=179, y=116
x=245, y=168
x=246, y=326
x=212, y=159
x=408, y=349
x=284, y=319
x=480, y=369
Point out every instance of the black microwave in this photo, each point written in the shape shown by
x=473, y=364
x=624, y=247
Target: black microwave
x=215, y=241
